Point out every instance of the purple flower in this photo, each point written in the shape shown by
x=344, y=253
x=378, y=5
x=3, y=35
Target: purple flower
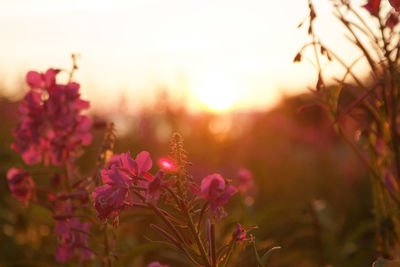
x=119, y=174
x=214, y=189
x=72, y=234
x=154, y=187
x=73, y=239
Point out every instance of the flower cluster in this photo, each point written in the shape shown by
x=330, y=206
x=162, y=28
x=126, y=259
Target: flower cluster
x=128, y=183
x=124, y=178
x=51, y=125
x=53, y=130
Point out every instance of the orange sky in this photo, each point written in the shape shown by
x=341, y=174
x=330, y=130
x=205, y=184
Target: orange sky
x=214, y=53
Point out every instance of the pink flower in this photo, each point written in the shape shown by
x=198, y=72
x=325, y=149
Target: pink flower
x=113, y=196
x=71, y=232
x=157, y=264
x=214, y=189
x=41, y=80
x=72, y=238
x=154, y=187
x=119, y=174
x=395, y=4
x=240, y=234
x=373, y=7
x=21, y=184
x=51, y=126
x=133, y=170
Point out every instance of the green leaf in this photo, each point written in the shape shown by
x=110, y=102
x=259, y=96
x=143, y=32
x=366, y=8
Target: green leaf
x=256, y=253
x=386, y=263
x=266, y=255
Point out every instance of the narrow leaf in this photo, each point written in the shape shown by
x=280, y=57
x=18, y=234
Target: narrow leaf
x=266, y=255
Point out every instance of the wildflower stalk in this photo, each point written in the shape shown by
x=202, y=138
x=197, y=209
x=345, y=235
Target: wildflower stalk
x=203, y=209
x=179, y=155
x=193, y=229
x=175, y=242
x=160, y=214
x=380, y=101
x=372, y=171
x=393, y=97
x=358, y=43
x=196, y=236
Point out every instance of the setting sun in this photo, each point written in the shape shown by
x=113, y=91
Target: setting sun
x=217, y=93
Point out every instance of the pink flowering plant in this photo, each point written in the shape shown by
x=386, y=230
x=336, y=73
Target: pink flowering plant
x=53, y=131
x=365, y=110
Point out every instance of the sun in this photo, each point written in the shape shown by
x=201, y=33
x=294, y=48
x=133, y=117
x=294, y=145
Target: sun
x=217, y=94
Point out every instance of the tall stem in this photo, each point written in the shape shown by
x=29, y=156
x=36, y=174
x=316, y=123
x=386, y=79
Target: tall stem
x=213, y=255
x=196, y=236
x=107, y=248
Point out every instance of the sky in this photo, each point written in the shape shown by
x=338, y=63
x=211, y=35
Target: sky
x=219, y=54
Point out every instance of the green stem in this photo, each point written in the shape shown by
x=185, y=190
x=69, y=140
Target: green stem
x=196, y=236
x=214, y=261
x=160, y=214
x=106, y=248
x=228, y=254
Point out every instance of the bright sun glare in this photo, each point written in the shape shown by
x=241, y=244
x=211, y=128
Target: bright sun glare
x=217, y=93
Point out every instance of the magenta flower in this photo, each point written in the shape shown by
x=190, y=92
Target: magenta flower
x=132, y=170
x=157, y=264
x=21, y=184
x=71, y=232
x=214, y=189
x=154, y=187
x=373, y=7
x=395, y=4
x=240, y=234
x=73, y=239
x=51, y=127
x=119, y=174
x=113, y=196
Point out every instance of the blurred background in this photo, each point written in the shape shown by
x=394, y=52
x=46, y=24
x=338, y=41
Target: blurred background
x=221, y=74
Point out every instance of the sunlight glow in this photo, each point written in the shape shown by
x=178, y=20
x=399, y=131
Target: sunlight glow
x=217, y=93
x=167, y=165
x=148, y=44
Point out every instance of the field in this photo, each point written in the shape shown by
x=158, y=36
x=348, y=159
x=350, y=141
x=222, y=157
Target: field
x=312, y=181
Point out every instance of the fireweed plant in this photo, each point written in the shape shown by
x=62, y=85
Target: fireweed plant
x=365, y=113
x=52, y=130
